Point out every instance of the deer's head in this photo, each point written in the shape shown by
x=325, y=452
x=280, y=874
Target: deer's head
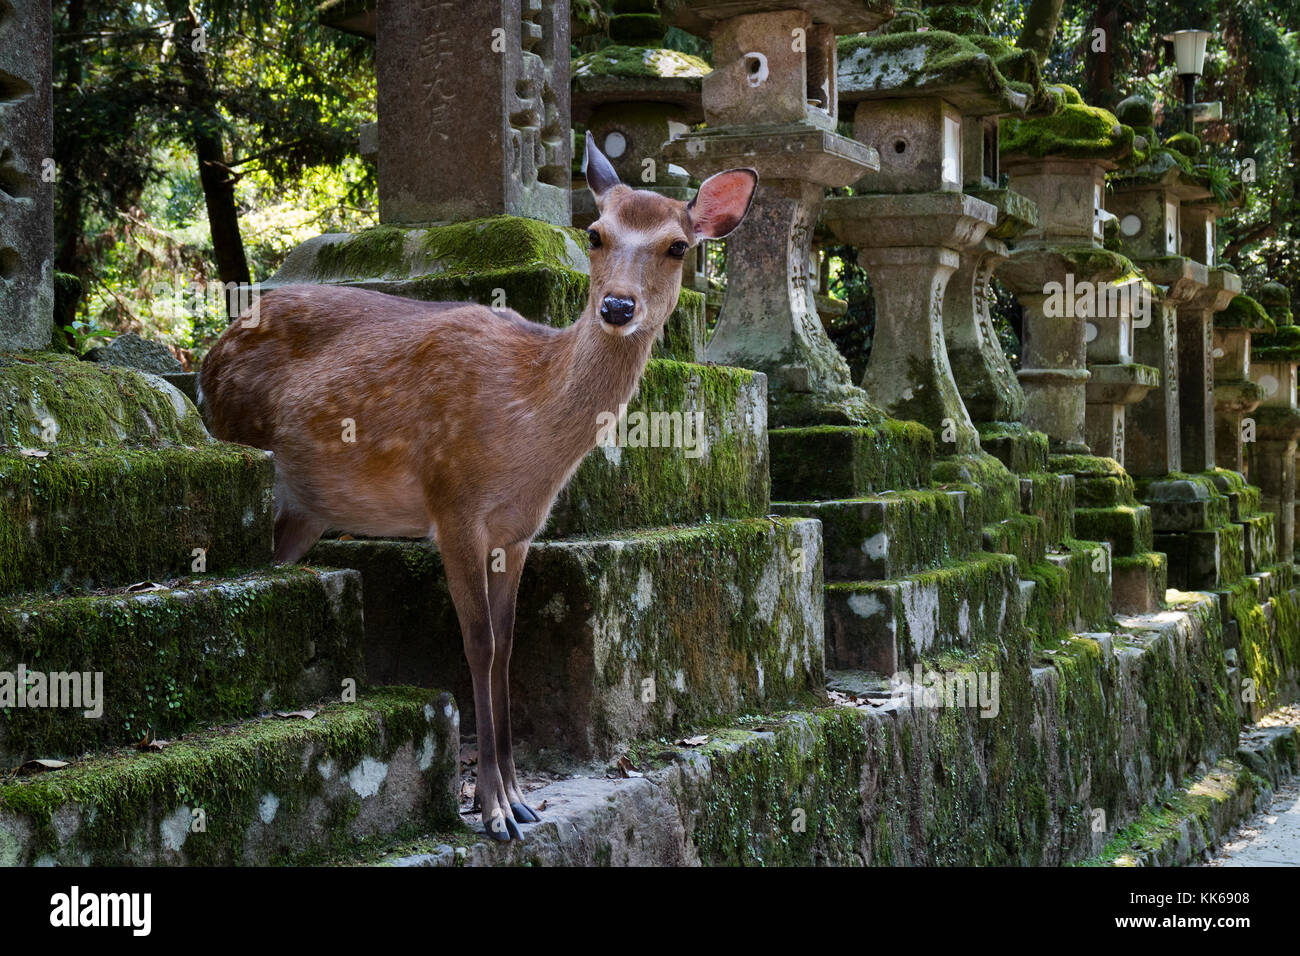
x=640, y=238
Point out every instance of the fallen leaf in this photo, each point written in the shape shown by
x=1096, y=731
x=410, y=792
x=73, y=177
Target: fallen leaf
x=33, y=452
x=469, y=758
x=298, y=714
x=143, y=586
x=627, y=768
x=692, y=741
x=41, y=765
x=346, y=537
x=541, y=806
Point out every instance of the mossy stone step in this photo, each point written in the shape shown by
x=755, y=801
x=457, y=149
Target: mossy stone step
x=638, y=635
x=1098, y=482
x=1071, y=593
x=693, y=445
x=85, y=517
x=1243, y=499
x=1204, y=560
x=1259, y=532
x=1126, y=527
x=1183, y=503
x=1138, y=582
x=845, y=461
x=1050, y=497
x=891, y=534
x=1261, y=617
x=1022, y=450
x=994, y=492
x=1024, y=536
x=884, y=626
x=261, y=792
x=166, y=661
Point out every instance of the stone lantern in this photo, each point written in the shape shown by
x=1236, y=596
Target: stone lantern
x=912, y=222
x=1236, y=395
x=770, y=104
x=1270, y=461
x=1060, y=163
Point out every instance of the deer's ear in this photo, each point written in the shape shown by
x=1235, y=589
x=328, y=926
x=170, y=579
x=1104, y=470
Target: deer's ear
x=600, y=174
x=722, y=202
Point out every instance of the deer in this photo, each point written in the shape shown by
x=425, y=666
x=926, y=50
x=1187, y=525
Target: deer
x=460, y=424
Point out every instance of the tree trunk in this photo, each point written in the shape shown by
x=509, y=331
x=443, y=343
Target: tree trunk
x=217, y=179
x=1040, y=28
x=68, y=235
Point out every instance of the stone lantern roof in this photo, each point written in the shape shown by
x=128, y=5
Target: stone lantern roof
x=1075, y=131
x=623, y=74
x=1243, y=312
x=1275, y=299
x=964, y=71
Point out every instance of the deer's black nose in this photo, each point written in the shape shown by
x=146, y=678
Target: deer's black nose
x=617, y=311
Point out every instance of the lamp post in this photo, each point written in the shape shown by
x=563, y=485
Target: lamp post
x=1189, y=54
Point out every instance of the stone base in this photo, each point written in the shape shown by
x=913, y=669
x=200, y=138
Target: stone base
x=270, y=791
x=642, y=635
x=844, y=462
x=204, y=649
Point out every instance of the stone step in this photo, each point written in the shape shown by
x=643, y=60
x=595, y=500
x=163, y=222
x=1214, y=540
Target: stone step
x=1204, y=560
x=891, y=534
x=1021, y=449
x=1023, y=536
x=1138, y=582
x=993, y=492
x=619, y=637
x=841, y=461
x=693, y=445
x=1259, y=533
x=1126, y=527
x=883, y=626
x=166, y=661
x=1071, y=593
x=260, y=792
x=102, y=517
x=1050, y=497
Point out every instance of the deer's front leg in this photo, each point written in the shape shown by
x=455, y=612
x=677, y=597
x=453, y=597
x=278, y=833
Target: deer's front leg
x=503, y=587
x=466, y=567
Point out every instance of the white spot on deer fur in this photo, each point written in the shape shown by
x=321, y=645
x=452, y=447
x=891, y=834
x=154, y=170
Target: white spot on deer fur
x=877, y=546
x=267, y=806
x=366, y=777
x=175, y=828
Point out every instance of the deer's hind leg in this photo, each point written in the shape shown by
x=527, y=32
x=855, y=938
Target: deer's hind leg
x=504, y=570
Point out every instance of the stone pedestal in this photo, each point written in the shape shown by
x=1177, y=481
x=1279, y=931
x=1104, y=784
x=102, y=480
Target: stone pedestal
x=985, y=379
x=908, y=245
x=770, y=104
x=1270, y=459
x=473, y=110
x=26, y=196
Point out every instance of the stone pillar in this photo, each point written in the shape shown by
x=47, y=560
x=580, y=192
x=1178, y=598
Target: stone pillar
x=1156, y=421
x=1196, y=369
x=907, y=243
x=1117, y=384
x=1235, y=395
x=26, y=198
x=770, y=104
x=1271, y=457
x=473, y=110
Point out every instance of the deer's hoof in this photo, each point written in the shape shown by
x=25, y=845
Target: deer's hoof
x=502, y=828
x=524, y=813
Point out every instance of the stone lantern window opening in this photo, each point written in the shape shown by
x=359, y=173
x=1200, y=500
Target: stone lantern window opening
x=1171, y=228
x=991, y=150
x=819, y=68
x=615, y=144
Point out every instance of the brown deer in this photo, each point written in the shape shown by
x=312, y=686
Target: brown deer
x=391, y=417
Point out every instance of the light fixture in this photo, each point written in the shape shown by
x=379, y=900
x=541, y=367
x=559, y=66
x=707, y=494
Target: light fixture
x=1189, y=55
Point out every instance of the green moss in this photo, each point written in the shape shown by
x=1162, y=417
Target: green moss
x=659, y=486
x=631, y=61
x=224, y=772
x=49, y=400
x=832, y=461
x=1077, y=131
x=93, y=517
x=217, y=650
x=1243, y=312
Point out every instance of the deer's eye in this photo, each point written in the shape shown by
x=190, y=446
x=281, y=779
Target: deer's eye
x=594, y=236
x=677, y=249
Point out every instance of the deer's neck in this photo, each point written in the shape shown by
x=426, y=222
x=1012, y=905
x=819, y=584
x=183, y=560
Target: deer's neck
x=595, y=372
